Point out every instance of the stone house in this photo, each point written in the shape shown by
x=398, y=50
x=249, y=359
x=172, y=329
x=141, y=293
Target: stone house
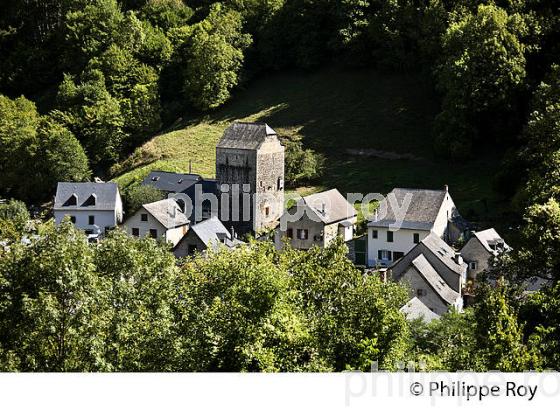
x=210, y=233
x=396, y=229
x=93, y=207
x=435, y=273
x=162, y=219
x=480, y=249
x=250, y=177
x=316, y=220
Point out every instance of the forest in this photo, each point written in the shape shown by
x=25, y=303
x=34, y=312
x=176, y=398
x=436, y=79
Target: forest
x=85, y=82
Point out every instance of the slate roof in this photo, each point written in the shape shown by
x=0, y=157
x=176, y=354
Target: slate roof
x=245, y=135
x=105, y=194
x=422, y=212
x=436, y=282
x=443, y=252
x=416, y=309
x=167, y=212
x=488, y=238
x=336, y=208
x=212, y=232
x=171, y=181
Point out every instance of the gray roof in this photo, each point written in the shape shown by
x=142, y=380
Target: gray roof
x=422, y=212
x=212, y=232
x=104, y=193
x=443, y=252
x=436, y=282
x=167, y=212
x=489, y=238
x=416, y=309
x=245, y=135
x=170, y=181
x=329, y=206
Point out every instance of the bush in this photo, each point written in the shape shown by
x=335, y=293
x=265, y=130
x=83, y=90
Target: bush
x=302, y=164
x=137, y=195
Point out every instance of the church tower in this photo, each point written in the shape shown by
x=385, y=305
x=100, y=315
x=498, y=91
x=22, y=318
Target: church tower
x=250, y=174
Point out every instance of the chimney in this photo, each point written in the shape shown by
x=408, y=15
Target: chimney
x=458, y=258
x=446, y=188
x=173, y=210
x=323, y=208
x=375, y=215
x=232, y=233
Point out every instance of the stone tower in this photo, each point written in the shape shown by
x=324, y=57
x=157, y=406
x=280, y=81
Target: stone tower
x=250, y=173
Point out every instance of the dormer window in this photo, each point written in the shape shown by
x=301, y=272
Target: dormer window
x=91, y=201
x=155, y=179
x=72, y=201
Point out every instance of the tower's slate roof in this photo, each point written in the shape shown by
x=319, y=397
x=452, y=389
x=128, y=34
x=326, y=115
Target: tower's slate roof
x=422, y=212
x=245, y=135
x=105, y=195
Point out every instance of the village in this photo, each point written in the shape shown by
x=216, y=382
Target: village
x=417, y=236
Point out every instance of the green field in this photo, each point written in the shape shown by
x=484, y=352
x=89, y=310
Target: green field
x=338, y=113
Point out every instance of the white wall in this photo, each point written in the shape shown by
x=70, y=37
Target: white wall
x=135, y=221
x=103, y=219
x=445, y=212
x=403, y=238
x=403, y=241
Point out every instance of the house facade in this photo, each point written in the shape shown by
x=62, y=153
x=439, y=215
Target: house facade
x=316, y=220
x=159, y=220
x=397, y=228
x=250, y=177
x=480, y=249
x=93, y=207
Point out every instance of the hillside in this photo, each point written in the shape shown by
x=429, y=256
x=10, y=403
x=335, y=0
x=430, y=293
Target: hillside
x=375, y=131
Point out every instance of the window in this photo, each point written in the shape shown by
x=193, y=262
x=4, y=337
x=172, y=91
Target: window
x=389, y=236
x=267, y=211
x=384, y=255
x=91, y=219
x=135, y=232
x=73, y=219
x=374, y=234
x=302, y=234
x=473, y=265
x=153, y=233
x=280, y=184
x=416, y=238
x=144, y=217
x=290, y=233
x=91, y=201
x=397, y=255
x=72, y=201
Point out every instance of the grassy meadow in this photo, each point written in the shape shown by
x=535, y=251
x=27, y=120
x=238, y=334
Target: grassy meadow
x=374, y=130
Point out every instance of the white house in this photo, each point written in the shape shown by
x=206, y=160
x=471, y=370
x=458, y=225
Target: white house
x=91, y=206
x=480, y=249
x=435, y=273
x=316, y=220
x=404, y=218
x=161, y=219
